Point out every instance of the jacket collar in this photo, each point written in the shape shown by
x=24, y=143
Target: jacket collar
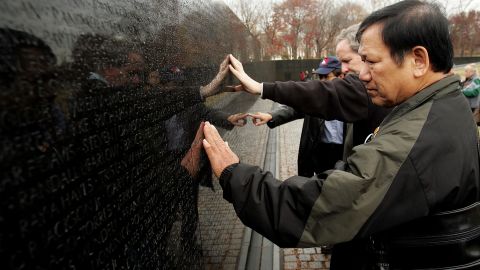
x=437, y=89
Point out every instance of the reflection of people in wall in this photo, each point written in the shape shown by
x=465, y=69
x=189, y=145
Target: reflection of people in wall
x=99, y=60
x=134, y=69
x=181, y=127
x=184, y=135
x=111, y=65
x=26, y=59
x=29, y=81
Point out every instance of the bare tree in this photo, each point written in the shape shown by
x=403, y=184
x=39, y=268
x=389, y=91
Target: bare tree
x=332, y=20
x=250, y=13
x=256, y=16
x=449, y=6
x=465, y=28
x=271, y=42
x=352, y=13
x=293, y=27
x=377, y=4
x=452, y=7
x=325, y=26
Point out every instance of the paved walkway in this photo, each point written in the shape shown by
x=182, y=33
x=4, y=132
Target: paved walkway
x=221, y=232
x=296, y=258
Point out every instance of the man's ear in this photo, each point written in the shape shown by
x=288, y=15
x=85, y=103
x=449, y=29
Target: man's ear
x=421, y=61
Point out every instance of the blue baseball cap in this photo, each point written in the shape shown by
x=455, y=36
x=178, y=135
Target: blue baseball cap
x=328, y=65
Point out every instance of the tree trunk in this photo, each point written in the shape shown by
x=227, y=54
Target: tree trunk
x=294, y=51
x=318, y=51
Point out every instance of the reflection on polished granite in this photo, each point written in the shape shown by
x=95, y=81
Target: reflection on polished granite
x=100, y=102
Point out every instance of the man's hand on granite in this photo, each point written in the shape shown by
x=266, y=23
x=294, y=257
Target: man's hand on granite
x=191, y=160
x=216, y=85
x=218, y=151
x=248, y=84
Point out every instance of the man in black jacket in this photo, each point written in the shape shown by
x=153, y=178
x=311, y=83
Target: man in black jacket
x=413, y=189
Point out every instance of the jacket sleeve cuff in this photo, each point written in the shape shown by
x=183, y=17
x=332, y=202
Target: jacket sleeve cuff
x=267, y=90
x=271, y=124
x=224, y=179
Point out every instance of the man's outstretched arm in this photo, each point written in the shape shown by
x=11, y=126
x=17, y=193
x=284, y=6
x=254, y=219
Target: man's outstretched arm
x=334, y=207
x=291, y=200
x=346, y=100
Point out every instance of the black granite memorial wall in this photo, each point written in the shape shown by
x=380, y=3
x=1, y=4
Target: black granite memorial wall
x=100, y=104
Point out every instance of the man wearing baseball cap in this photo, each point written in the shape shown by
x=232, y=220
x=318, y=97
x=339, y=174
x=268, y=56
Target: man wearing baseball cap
x=329, y=68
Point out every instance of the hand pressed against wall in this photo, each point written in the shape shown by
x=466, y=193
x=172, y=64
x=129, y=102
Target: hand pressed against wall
x=218, y=151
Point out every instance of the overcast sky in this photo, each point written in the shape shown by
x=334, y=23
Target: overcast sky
x=452, y=6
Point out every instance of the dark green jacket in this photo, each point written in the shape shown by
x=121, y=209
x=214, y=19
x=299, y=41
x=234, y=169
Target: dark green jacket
x=424, y=159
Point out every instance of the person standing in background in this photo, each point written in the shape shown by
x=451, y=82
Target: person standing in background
x=471, y=90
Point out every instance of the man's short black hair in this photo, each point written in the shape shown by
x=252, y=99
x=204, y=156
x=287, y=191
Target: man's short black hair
x=413, y=23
